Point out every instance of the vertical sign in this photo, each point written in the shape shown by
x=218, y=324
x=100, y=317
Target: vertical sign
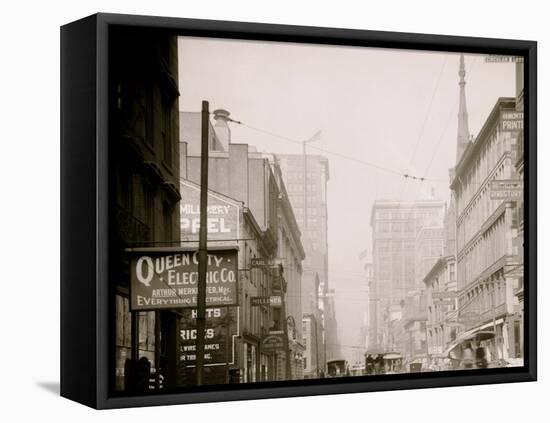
x=218, y=337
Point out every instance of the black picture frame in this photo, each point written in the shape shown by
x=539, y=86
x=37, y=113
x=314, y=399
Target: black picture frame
x=85, y=219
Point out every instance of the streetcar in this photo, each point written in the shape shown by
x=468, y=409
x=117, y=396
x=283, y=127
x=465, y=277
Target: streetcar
x=337, y=368
x=393, y=363
x=383, y=363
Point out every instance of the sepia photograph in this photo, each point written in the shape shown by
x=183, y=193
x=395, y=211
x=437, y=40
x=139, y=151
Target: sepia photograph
x=298, y=212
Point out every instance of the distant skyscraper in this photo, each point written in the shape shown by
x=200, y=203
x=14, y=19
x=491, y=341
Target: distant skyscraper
x=308, y=196
x=395, y=229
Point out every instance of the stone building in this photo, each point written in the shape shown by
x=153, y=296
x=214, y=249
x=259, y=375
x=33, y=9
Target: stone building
x=143, y=198
x=395, y=229
x=485, y=230
x=519, y=165
x=306, y=184
x=441, y=296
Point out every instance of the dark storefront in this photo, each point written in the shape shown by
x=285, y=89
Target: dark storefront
x=143, y=199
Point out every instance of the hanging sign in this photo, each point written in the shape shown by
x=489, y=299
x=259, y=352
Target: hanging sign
x=507, y=189
x=272, y=343
x=259, y=262
x=166, y=279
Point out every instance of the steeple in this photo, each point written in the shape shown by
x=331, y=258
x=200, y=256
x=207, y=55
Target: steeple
x=463, y=135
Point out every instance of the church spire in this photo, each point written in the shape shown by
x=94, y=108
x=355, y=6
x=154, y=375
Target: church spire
x=463, y=135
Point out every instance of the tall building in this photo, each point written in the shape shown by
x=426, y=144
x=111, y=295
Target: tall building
x=485, y=231
x=364, y=338
x=291, y=255
x=430, y=243
x=395, y=229
x=519, y=165
x=269, y=342
x=144, y=197
x=306, y=183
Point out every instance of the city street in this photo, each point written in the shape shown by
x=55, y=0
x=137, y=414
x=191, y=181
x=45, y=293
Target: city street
x=277, y=219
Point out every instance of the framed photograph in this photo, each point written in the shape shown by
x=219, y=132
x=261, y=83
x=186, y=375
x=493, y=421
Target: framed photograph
x=259, y=211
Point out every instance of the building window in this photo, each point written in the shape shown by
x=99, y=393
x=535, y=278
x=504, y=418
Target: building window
x=383, y=227
x=396, y=227
x=123, y=339
x=452, y=272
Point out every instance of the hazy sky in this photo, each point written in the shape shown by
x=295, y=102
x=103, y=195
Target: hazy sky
x=393, y=108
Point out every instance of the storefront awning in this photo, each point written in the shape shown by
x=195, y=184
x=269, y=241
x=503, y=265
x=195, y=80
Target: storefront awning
x=472, y=334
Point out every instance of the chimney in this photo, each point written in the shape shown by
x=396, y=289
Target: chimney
x=221, y=127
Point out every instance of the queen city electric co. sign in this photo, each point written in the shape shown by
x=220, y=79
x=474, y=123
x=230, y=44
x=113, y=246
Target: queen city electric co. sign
x=162, y=279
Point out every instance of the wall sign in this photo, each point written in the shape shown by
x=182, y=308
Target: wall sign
x=223, y=214
x=221, y=330
x=163, y=279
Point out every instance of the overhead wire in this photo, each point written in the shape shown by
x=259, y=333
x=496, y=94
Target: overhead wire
x=423, y=127
x=436, y=149
x=405, y=175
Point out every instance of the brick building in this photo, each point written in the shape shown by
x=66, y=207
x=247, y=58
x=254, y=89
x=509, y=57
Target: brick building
x=239, y=172
x=143, y=197
x=306, y=184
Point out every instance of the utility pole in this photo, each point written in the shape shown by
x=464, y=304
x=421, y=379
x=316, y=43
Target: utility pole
x=203, y=252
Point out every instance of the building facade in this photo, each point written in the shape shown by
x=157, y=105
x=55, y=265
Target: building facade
x=519, y=165
x=413, y=343
x=485, y=230
x=268, y=345
x=306, y=184
x=395, y=230
x=441, y=301
x=430, y=243
x=364, y=330
x=143, y=199
x=291, y=255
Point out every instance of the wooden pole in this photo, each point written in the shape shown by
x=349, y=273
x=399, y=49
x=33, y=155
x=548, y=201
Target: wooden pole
x=203, y=252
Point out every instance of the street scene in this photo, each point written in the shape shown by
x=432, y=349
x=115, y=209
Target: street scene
x=285, y=211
